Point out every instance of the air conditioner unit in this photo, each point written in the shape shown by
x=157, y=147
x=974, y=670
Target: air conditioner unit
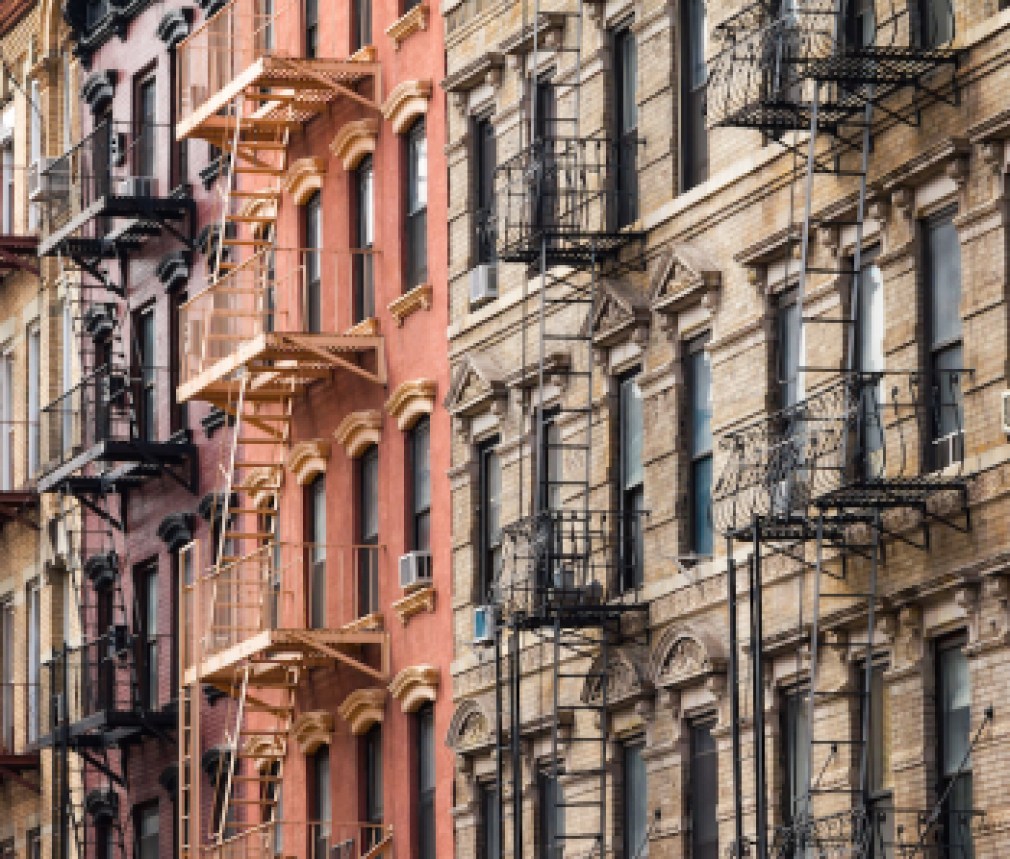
x=415, y=570
x=43, y=183
x=135, y=186
x=483, y=283
x=484, y=619
x=1006, y=412
x=948, y=449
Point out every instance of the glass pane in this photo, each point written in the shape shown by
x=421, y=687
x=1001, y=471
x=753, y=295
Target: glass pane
x=631, y=434
x=366, y=214
x=426, y=749
x=422, y=467
x=943, y=263
x=700, y=392
x=955, y=713
x=635, y=803
x=417, y=192
x=701, y=506
x=949, y=415
x=880, y=742
x=493, y=502
x=373, y=775
x=369, y=501
x=797, y=753
x=490, y=821
x=697, y=44
x=627, y=71
x=704, y=793
x=789, y=353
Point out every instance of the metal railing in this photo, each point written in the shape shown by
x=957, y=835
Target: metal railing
x=20, y=715
x=312, y=840
x=279, y=586
x=120, y=160
x=873, y=433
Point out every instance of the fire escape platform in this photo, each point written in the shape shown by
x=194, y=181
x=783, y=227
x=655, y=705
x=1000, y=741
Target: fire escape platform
x=16, y=504
x=19, y=253
x=18, y=762
x=273, y=651
x=111, y=728
x=290, y=91
x=276, y=362
x=138, y=460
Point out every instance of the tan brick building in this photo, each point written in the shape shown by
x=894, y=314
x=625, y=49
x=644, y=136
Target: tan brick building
x=715, y=374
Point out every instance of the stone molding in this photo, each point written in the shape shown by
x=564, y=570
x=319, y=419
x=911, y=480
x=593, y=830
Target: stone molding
x=415, y=686
x=621, y=315
x=308, y=459
x=305, y=177
x=683, y=656
x=411, y=401
x=354, y=141
x=418, y=298
x=686, y=276
x=407, y=102
x=469, y=728
x=423, y=599
x=260, y=485
x=627, y=673
x=311, y=730
x=363, y=708
x=478, y=385
x=358, y=431
x=414, y=21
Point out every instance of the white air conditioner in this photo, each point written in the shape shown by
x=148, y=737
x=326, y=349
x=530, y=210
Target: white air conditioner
x=948, y=449
x=1006, y=412
x=484, y=618
x=483, y=283
x=415, y=570
x=135, y=186
x=44, y=184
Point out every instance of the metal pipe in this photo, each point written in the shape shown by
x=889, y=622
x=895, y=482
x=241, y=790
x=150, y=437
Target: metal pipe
x=514, y=739
x=757, y=678
x=734, y=701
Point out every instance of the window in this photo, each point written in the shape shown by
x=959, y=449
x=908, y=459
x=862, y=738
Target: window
x=144, y=127
x=490, y=822
x=312, y=226
x=694, y=81
x=364, y=276
x=946, y=357
x=869, y=352
x=316, y=522
x=418, y=441
x=145, y=821
x=362, y=24
x=550, y=462
x=145, y=376
x=426, y=782
x=320, y=805
x=104, y=843
x=879, y=763
x=789, y=347
x=408, y=5
x=545, y=203
x=484, y=164
x=635, y=797
x=368, y=531
x=860, y=24
x=796, y=755
x=7, y=416
x=936, y=22
x=550, y=803
x=265, y=28
x=34, y=384
x=7, y=675
x=373, y=804
x=34, y=840
x=631, y=490
x=8, y=190
x=699, y=392
x=416, y=227
x=146, y=586
x=489, y=517
x=311, y=28
x=704, y=792
x=67, y=373
x=953, y=717
x=626, y=126
x=34, y=143
x=34, y=659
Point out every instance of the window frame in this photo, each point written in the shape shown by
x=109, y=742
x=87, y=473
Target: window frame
x=372, y=784
x=316, y=525
x=415, y=209
x=549, y=794
x=484, y=154
x=141, y=812
x=489, y=544
x=145, y=144
x=310, y=28
x=367, y=470
x=696, y=803
x=632, y=747
x=364, y=240
x=146, y=373
x=361, y=24
x=631, y=494
x=946, y=785
x=694, y=150
x=424, y=729
x=418, y=443
x=490, y=819
x=312, y=242
x=795, y=709
x=33, y=370
x=699, y=456
x=624, y=48
x=321, y=800
x=145, y=585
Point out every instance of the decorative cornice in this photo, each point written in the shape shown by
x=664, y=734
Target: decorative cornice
x=101, y=570
x=98, y=89
x=621, y=314
x=176, y=530
x=363, y=708
x=415, y=686
x=423, y=599
x=174, y=26
x=686, y=276
x=216, y=760
x=261, y=483
x=478, y=385
x=486, y=68
x=212, y=504
x=168, y=778
x=308, y=459
x=265, y=748
x=358, y=431
x=305, y=177
x=683, y=656
x=925, y=165
x=410, y=401
x=102, y=805
x=411, y=22
x=550, y=27
x=372, y=622
x=173, y=271
x=354, y=141
x=312, y=729
x=407, y=102
x=469, y=728
x=418, y=298
x=99, y=319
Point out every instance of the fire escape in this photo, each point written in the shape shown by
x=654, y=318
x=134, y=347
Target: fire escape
x=565, y=590
x=101, y=439
x=253, y=621
x=863, y=446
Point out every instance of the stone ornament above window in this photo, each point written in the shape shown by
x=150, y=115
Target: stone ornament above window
x=311, y=730
x=486, y=69
x=261, y=483
x=411, y=401
x=686, y=276
x=469, y=728
x=415, y=686
x=358, y=431
x=414, y=21
x=308, y=459
x=407, y=102
x=627, y=673
x=354, y=141
x=418, y=298
x=683, y=656
x=549, y=31
x=265, y=749
x=362, y=709
x=621, y=315
x=174, y=26
x=176, y=530
x=98, y=90
x=478, y=387
x=305, y=177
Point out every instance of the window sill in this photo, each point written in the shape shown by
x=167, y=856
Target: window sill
x=410, y=22
x=419, y=298
x=414, y=603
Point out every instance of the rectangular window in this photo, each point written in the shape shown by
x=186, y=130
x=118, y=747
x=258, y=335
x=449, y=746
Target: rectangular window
x=8, y=190
x=551, y=460
x=490, y=822
x=416, y=227
x=362, y=33
x=364, y=275
x=879, y=763
x=7, y=675
x=145, y=375
x=34, y=386
x=631, y=488
x=316, y=521
x=311, y=28
x=484, y=161
x=796, y=754
x=419, y=440
x=869, y=353
x=626, y=125
x=789, y=347
x=146, y=586
x=489, y=516
x=426, y=782
x=68, y=102
x=545, y=202
x=146, y=829
x=953, y=718
x=694, y=82
x=704, y=792
x=936, y=22
x=368, y=532
x=373, y=798
x=699, y=392
x=145, y=114
x=634, y=802
x=33, y=838
x=946, y=355
x=550, y=804
x=34, y=659
x=320, y=808
x=67, y=374
x=34, y=143
x=312, y=229
x=264, y=27
x=7, y=416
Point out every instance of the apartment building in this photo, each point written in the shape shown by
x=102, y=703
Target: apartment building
x=728, y=346
x=319, y=611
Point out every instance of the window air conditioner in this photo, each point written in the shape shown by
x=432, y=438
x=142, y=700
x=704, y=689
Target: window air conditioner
x=483, y=283
x=948, y=449
x=135, y=186
x=484, y=618
x=43, y=184
x=415, y=570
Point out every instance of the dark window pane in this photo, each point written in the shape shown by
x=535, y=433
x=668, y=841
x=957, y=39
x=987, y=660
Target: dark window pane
x=317, y=552
x=311, y=28
x=490, y=516
x=943, y=264
x=635, y=801
x=420, y=483
x=702, y=534
x=490, y=820
x=313, y=229
x=373, y=781
x=417, y=206
x=797, y=755
x=789, y=347
x=631, y=433
x=704, y=787
x=550, y=844
x=362, y=24
x=954, y=728
x=625, y=85
x=485, y=156
x=368, y=534
x=364, y=279
x=694, y=72
x=426, y=782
